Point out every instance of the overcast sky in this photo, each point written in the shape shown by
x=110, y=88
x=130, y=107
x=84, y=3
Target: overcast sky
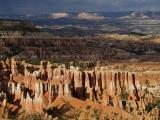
x=47, y=6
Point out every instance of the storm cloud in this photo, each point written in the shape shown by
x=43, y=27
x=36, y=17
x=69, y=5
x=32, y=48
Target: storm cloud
x=48, y=6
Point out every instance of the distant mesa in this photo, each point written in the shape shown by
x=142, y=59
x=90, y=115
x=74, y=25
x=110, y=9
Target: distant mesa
x=135, y=15
x=58, y=15
x=81, y=16
x=90, y=16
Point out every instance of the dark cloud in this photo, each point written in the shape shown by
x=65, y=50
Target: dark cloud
x=47, y=6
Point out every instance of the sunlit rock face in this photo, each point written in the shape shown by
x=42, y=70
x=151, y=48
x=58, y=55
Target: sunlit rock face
x=35, y=87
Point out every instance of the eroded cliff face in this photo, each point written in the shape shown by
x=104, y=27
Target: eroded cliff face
x=36, y=87
x=79, y=48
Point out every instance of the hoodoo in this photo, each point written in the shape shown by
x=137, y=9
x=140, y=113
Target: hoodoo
x=36, y=87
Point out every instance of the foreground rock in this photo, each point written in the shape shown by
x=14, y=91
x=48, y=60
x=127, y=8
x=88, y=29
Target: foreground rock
x=34, y=89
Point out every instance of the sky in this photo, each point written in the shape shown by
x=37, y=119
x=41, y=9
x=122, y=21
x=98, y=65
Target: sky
x=17, y=7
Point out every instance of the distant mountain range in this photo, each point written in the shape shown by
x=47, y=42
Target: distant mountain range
x=89, y=15
x=95, y=22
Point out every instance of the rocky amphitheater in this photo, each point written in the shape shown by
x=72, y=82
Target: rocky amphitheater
x=48, y=91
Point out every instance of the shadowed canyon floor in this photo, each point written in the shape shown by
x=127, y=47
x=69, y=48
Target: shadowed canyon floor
x=23, y=40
